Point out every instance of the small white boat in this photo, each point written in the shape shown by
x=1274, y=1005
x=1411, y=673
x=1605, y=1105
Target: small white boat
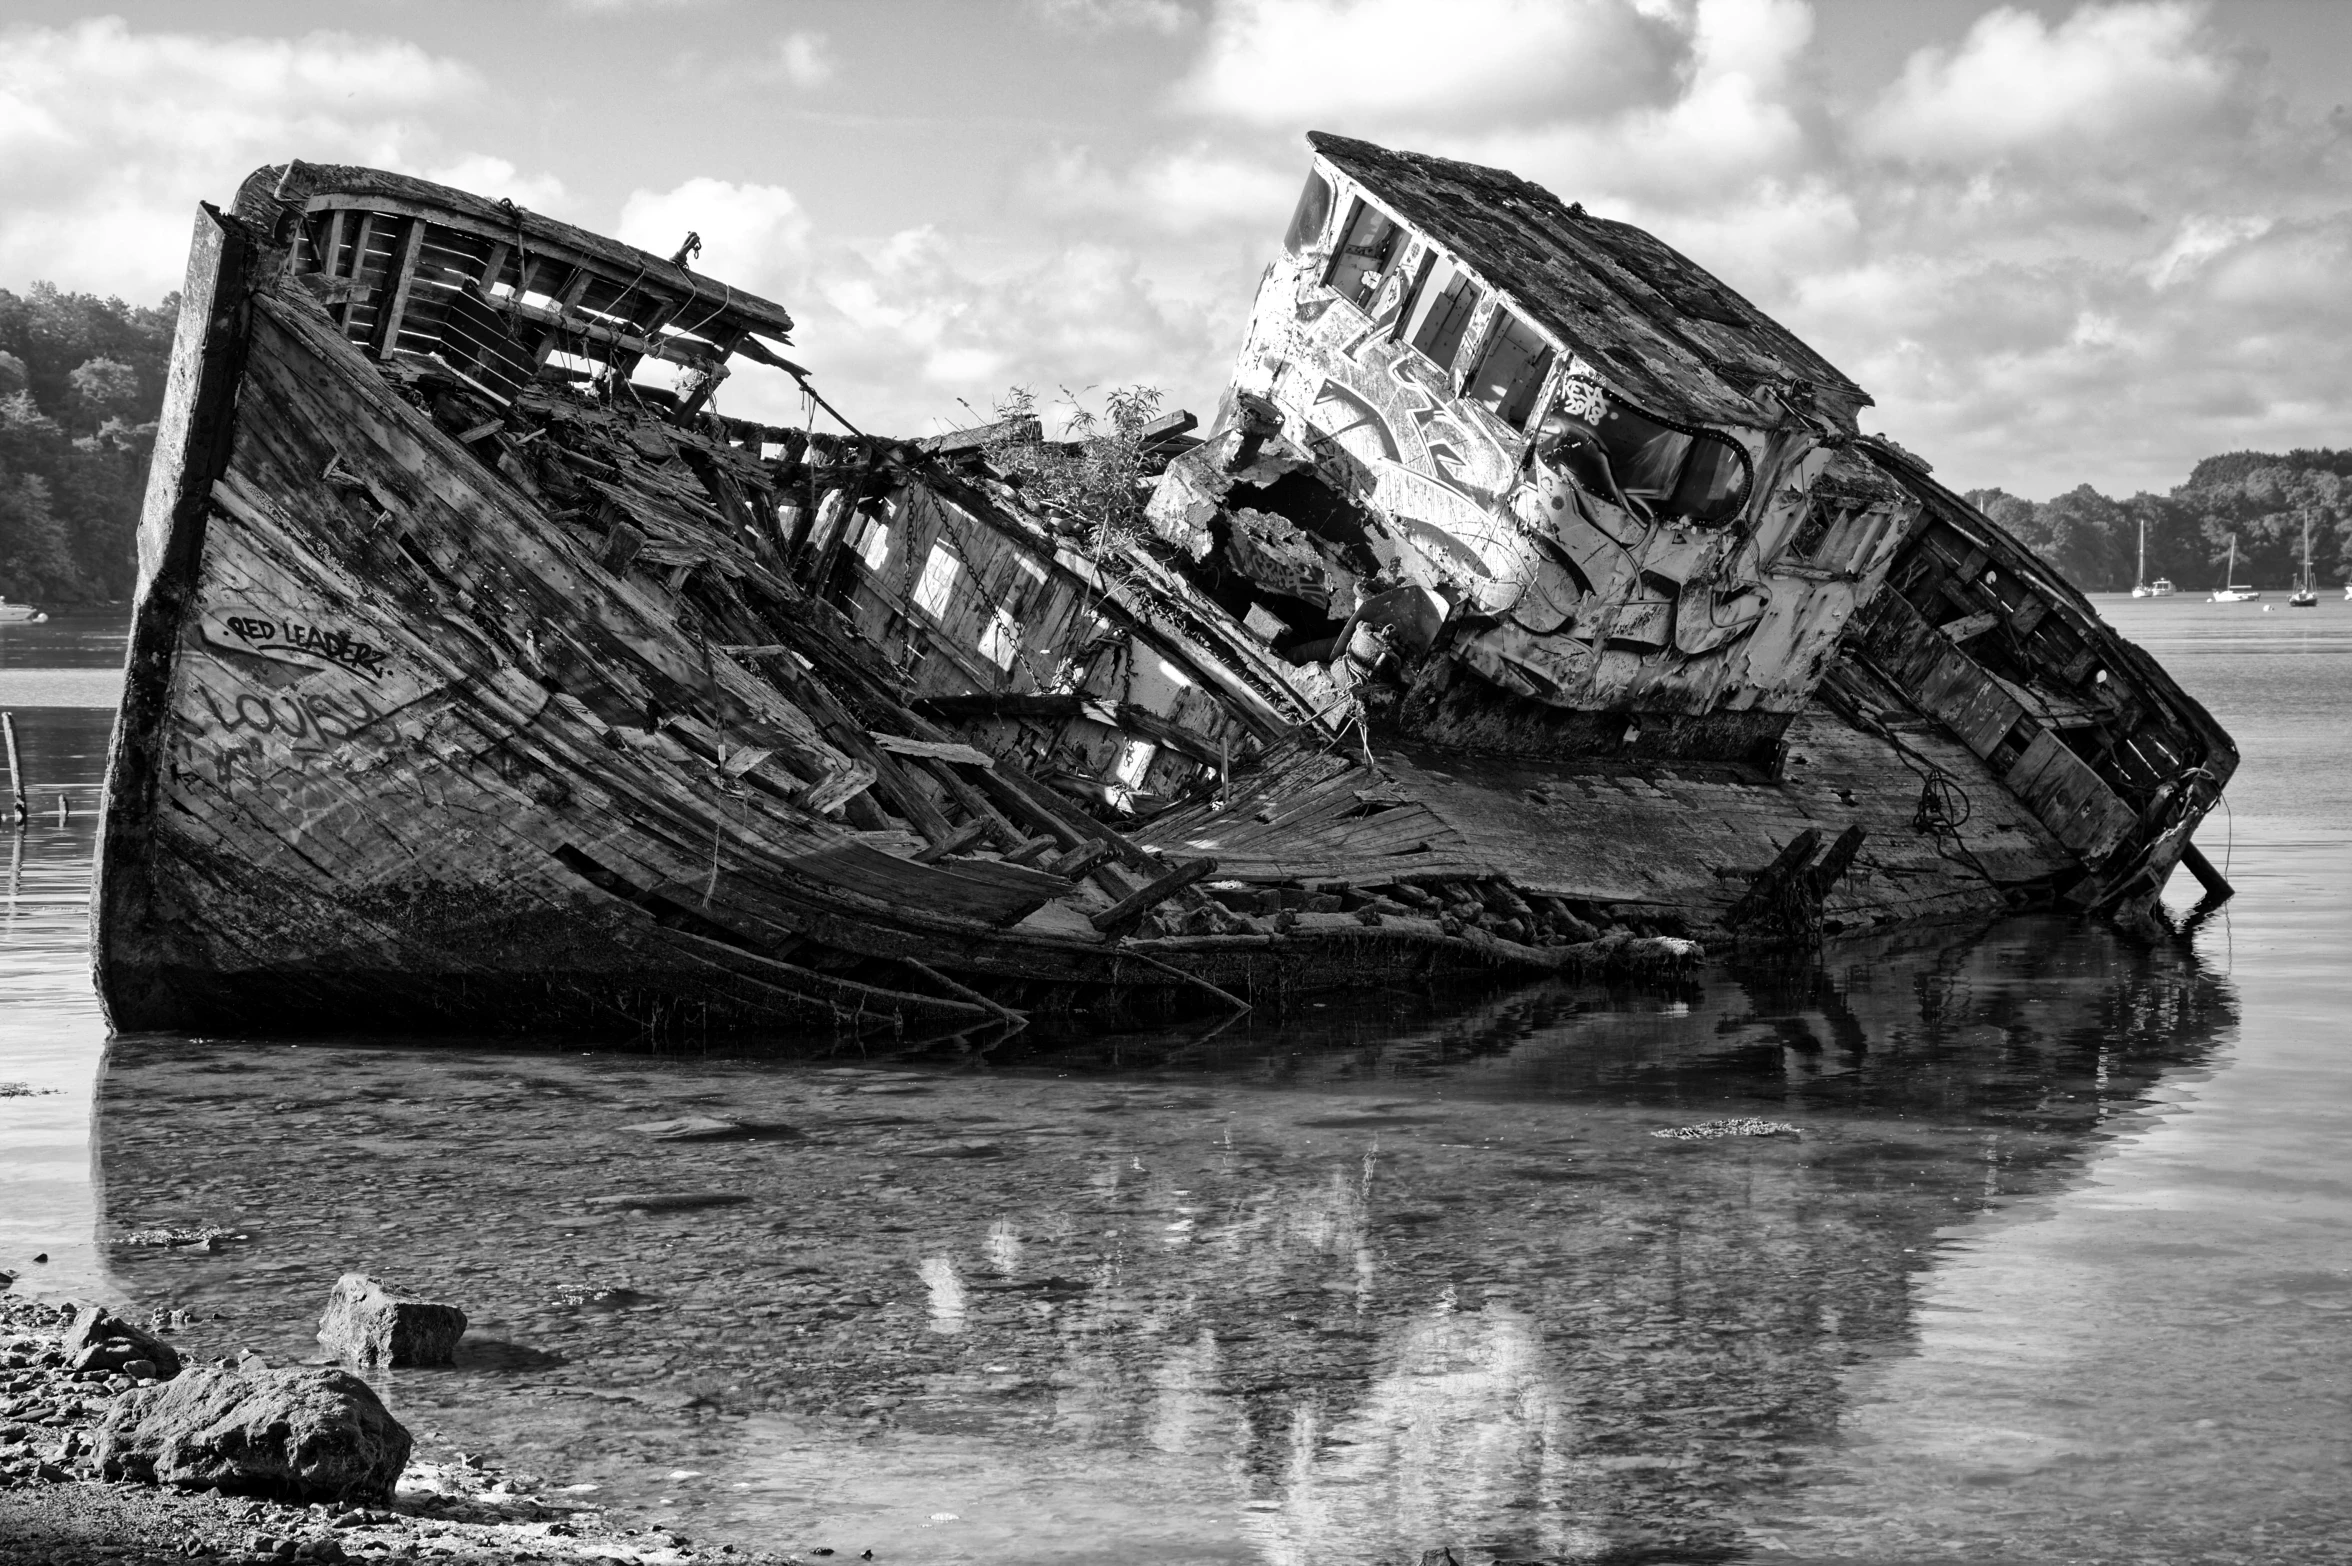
x=2230, y=592
x=2305, y=596
x=19, y=614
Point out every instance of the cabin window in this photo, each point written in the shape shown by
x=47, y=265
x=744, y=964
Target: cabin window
x=1443, y=301
x=1646, y=457
x=1617, y=452
x=1511, y=370
x=1309, y=216
x=1000, y=642
x=939, y=574
x=1364, y=253
x=1713, y=483
x=876, y=547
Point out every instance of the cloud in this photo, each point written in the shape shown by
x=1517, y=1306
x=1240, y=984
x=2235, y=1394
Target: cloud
x=1468, y=63
x=905, y=333
x=498, y=179
x=805, y=59
x=1185, y=190
x=755, y=236
x=802, y=60
x=2132, y=78
x=2088, y=246
x=109, y=136
x=1165, y=17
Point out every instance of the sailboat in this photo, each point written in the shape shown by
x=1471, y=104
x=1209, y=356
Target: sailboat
x=2304, y=596
x=2141, y=587
x=2230, y=592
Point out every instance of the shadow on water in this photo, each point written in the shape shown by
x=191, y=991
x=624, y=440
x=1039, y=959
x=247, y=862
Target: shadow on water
x=1382, y=1278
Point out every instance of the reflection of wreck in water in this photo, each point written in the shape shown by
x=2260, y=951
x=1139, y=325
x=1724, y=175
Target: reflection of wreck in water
x=1615, y=1353
x=1531, y=602
x=1500, y=1316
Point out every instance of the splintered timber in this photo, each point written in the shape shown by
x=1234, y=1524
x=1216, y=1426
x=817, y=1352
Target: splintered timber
x=1531, y=602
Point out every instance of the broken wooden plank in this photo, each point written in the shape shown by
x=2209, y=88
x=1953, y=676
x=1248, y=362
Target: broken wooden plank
x=952, y=751
x=964, y=837
x=399, y=282
x=1825, y=875
x=976, y=889
x=1131, y=909
x=1773, y=881
x=1025, y=430
x=1971, y=625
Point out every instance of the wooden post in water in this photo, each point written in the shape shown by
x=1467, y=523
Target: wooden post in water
x=2217, y=889
x=16, y=793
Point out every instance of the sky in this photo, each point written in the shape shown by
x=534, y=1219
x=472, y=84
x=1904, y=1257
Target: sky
x=2057, y=243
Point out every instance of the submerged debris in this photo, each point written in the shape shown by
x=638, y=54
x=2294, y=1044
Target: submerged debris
x=1708, y=1130
x=204, y=1237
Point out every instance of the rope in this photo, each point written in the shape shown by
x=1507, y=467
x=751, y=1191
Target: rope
x=1933, y=816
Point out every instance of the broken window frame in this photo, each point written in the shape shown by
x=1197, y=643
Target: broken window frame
x=1602, y=465
x=1517, y=400
x=1461, y=293
x=1311, y=215
x=1385, y=247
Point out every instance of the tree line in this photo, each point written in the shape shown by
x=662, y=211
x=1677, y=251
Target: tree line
x=81, y=381
x=2262, y=498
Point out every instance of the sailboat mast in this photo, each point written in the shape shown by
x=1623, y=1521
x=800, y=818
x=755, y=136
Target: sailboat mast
x=2142, y=579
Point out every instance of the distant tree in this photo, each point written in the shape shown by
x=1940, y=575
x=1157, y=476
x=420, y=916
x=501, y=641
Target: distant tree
x=2261, y=497
x=104, y=389
x=81, y=383
x=2265, y=500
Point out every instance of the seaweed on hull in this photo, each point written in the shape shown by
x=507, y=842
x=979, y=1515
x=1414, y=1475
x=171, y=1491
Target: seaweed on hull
x=484, y=676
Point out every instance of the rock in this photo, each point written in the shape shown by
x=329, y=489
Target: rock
x=692, y=1128
x=369, y=1325
x=669, y=1201
x=295, y=1435
x=101, y=1340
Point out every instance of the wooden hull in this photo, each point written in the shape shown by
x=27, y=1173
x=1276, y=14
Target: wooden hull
x=462, y=697
x=388, y=759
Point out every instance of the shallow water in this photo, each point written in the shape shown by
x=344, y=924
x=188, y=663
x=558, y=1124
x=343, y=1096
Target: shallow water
x=2057, y=1267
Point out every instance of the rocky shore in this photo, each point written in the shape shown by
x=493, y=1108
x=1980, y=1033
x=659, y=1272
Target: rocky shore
x=59, y=1508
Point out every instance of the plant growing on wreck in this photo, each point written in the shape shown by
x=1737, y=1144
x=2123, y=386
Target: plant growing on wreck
x=1096, y=474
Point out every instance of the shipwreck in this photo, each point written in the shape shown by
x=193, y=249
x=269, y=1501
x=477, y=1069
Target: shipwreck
x=1530, y=602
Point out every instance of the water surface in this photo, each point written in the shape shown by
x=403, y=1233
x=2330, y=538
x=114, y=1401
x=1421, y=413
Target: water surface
x=2056, y=1268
